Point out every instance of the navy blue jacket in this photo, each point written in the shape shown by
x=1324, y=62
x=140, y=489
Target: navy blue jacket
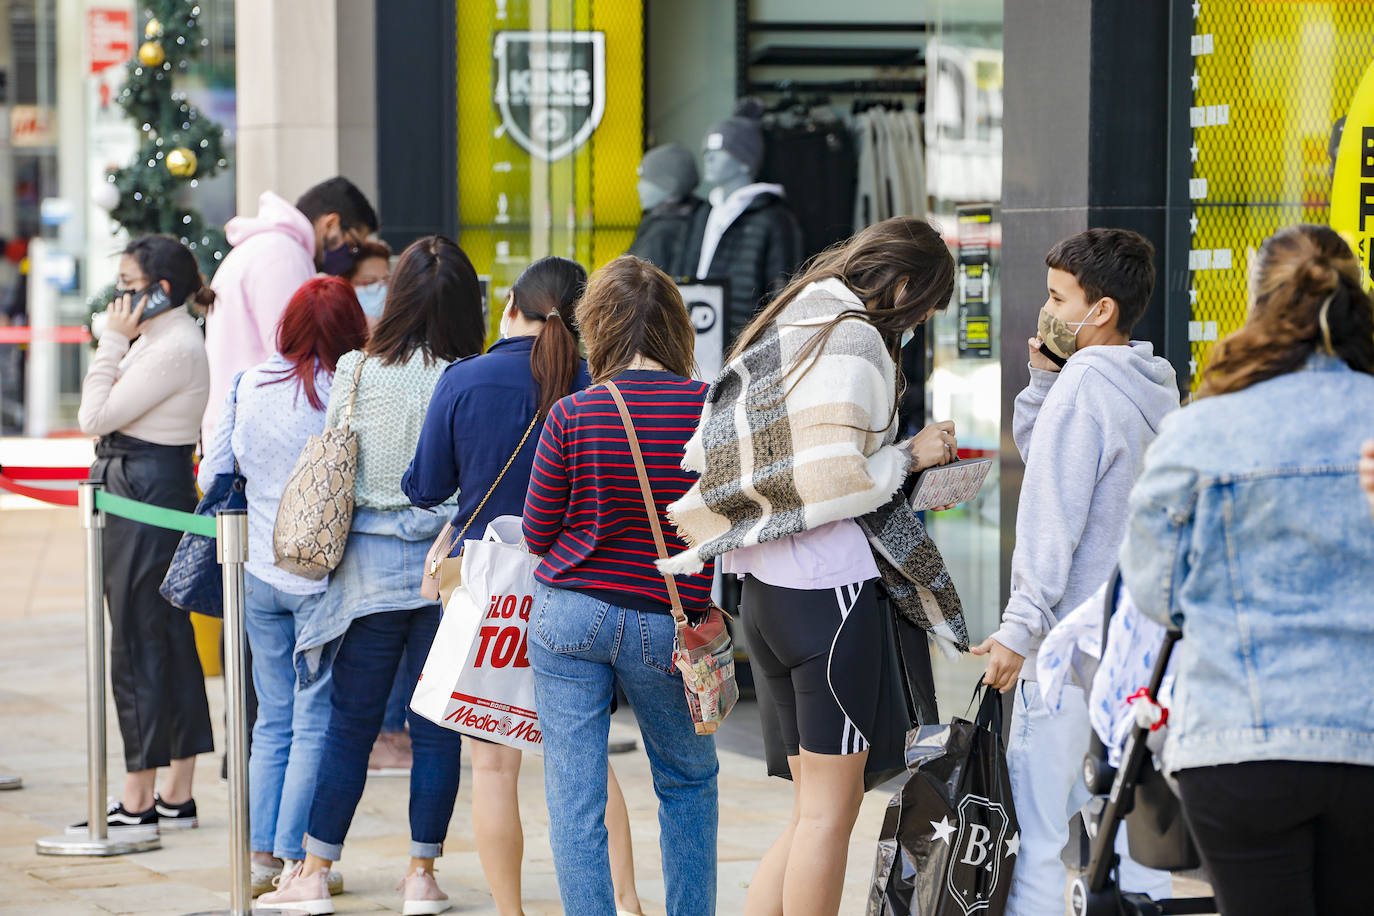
x=480, y=409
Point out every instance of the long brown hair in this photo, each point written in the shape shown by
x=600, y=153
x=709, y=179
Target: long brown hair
x=1307, y=298
x=433, y=303
x=632, y=308
x=873, y=265
x=548, y=291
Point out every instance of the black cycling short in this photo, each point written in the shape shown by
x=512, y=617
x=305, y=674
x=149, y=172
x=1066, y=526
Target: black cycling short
x=820, y=655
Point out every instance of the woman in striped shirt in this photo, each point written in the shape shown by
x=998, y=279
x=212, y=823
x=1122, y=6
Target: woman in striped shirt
x=602, y=613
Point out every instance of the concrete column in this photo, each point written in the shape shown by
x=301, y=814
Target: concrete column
x=306, y=96
x=1085, y=145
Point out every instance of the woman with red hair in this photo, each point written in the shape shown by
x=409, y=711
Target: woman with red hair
x=271, y=410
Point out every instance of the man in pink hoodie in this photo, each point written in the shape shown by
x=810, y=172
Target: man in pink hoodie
x=273, y=254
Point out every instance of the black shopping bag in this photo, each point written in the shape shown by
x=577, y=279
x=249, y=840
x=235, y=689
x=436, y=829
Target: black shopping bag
x=950, y=837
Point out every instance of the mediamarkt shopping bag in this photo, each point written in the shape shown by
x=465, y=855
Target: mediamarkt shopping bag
x=950, y=837
x=477, y=679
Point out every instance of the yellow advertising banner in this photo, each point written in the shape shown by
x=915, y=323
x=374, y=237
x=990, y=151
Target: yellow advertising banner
x=1352, y=189
x=1277, y=88
x=550, y=132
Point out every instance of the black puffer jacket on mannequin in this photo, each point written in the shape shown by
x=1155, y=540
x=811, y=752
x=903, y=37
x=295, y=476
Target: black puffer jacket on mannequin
x=756, y=256
x=669, y=235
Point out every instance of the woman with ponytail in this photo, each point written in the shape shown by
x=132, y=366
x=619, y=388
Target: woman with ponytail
x=485, y=410
x=1248, y=530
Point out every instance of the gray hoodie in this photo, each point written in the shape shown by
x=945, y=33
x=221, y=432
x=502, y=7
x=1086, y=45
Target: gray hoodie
x=1082, y=433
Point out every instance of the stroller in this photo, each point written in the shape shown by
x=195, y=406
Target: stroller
x=1136, y=793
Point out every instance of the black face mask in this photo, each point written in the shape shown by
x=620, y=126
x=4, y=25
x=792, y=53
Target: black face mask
x=338, y=260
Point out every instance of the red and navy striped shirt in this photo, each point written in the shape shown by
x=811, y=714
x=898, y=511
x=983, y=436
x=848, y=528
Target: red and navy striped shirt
x=584, y=510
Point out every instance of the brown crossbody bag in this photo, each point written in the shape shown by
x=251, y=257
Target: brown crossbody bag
x=702, y=652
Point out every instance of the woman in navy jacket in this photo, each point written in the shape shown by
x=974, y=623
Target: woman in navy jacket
x=481, y=408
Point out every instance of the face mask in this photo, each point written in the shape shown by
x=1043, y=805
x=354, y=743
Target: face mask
x=504, y=328
x=1059, y=336
x=338, y=261
x=907, y=336
x=372, y=298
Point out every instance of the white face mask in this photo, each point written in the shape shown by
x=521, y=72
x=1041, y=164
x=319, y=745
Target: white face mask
x=504, y=328
x=907, y=336
x=372, y=298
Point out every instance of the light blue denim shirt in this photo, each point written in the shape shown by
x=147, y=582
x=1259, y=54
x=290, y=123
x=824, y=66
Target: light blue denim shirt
x=265, y=433
x=1248, y=529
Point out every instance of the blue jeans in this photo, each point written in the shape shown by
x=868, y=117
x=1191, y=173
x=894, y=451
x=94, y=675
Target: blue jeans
x=288, y=736
x=1044, y=757
x=575, y=649
x=364, y=671
x=399, y=700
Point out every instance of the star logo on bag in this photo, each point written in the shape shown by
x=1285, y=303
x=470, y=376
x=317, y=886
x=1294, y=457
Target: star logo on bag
x=943, y=830
x=1013, y=844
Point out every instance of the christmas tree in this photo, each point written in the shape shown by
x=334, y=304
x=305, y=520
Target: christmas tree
x=179, y=146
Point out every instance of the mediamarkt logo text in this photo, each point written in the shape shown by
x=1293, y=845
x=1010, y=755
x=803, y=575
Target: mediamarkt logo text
x=522, y=728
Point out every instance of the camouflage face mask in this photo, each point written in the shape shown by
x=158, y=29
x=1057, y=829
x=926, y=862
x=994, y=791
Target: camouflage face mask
x=1059, y=336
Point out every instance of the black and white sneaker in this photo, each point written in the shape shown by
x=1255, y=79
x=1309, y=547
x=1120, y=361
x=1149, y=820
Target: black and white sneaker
x=176, y=817
x=119, y=821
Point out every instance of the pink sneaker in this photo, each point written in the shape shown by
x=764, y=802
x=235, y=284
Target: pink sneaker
x=298, y=892
x=423, y=897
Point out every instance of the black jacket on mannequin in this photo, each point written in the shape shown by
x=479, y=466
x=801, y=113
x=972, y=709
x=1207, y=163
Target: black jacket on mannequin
x=669, y=235
x=756, y=256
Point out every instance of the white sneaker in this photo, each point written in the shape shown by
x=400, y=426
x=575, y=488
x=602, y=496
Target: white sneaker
x=260, y=876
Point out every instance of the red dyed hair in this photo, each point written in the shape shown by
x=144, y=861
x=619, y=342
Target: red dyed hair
x=322, y=322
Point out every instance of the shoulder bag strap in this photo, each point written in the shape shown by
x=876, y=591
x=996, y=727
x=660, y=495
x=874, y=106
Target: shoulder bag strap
x=478, y=511
x=649, y=507
x=353, y=395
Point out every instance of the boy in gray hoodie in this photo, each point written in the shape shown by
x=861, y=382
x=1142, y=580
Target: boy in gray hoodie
x=1093, y=405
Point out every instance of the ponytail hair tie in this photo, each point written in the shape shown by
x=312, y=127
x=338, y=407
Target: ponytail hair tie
x=553, y=313
x=1325, y=324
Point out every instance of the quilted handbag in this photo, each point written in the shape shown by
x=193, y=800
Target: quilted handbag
x=316, y=508
x=193, y=581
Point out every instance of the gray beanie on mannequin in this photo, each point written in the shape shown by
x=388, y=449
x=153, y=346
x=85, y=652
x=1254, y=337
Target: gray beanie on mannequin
x=671, y=167
x=741, y=134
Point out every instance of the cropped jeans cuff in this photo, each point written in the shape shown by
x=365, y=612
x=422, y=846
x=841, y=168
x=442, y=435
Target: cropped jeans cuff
x=420, y=850
x=330, y=852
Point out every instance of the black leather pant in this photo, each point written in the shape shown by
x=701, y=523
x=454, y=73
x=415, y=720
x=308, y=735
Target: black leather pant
x=155, y=674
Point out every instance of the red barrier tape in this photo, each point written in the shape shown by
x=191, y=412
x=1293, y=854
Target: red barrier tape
x=14, y=472
x=56, y=497
x=23, y=335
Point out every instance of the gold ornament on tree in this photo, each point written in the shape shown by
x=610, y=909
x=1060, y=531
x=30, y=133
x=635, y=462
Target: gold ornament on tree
x=181, y=162
x=153, y=29
x=150, y=54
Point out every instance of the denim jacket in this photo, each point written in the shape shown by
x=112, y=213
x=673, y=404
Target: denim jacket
x=1248, y=529
x=380, y=571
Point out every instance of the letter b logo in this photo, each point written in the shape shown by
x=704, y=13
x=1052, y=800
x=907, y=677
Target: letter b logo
x=977, y=849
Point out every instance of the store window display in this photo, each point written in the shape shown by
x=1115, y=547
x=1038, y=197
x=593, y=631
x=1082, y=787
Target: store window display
x=751, y=240
x=669, y=235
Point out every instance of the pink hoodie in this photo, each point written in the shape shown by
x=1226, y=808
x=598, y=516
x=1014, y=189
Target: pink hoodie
x=273, y=254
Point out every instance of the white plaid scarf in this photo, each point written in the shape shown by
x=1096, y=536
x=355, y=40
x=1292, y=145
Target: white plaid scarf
x=780, y=452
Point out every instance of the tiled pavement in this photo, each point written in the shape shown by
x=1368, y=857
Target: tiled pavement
x=42, y=738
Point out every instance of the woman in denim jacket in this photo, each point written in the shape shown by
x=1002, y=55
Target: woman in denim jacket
x=373, y=613
x=1248, y=529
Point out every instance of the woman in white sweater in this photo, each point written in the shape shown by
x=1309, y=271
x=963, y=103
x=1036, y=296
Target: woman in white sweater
x=144, y=396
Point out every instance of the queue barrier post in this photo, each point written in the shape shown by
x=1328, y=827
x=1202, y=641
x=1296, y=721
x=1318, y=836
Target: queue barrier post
x=231, y=549
x=95, y=840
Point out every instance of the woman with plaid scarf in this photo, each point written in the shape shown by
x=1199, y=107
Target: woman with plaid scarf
x=801, y=492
